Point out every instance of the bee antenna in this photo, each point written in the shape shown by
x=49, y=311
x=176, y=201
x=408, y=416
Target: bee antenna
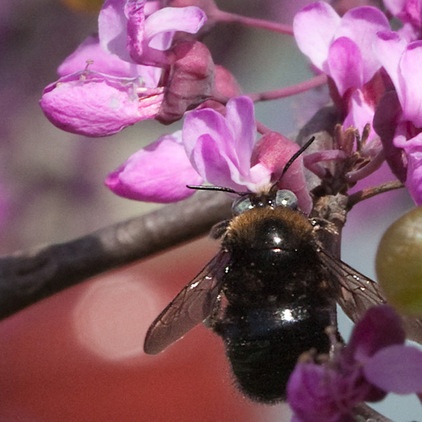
x=299, y=152
x=215, y=188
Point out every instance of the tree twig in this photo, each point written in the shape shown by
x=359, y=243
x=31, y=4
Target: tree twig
x=365, y=413
x=30, y=276
x=367, y=193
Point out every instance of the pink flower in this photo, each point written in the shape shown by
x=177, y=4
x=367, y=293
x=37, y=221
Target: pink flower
x=342, y=47
x=375, y=361
x=108, y=83
x=136, y=30
x=402, y=61
x=220, y=150
x=101, y=100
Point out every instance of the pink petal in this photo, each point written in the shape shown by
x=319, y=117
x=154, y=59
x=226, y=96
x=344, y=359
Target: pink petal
x=413, y=150
x=360, y=113
x=168, y=20
x=241, y=119
x=98, y=60
x=311, y=393
x=345, y=64
x=136, y=38
x=112, y=27
x=396, y=369
x=213, y=165
x=206, y=121
x=222, y=144
x=361, y=24
x=95, y=105
x=380, y=327
x=410, y=83
x=157, y=173
x=314, y=28
x=91, y=55
x=388, y=48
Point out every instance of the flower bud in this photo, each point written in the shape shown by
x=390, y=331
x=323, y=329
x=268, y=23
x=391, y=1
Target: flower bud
x=191, y=80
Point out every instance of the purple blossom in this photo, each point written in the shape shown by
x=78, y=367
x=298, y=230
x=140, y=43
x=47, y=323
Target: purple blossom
x=402, y=61
x=340, y=47
x=107, y=96
x=376, y=361
x=106, y=85
x=217, y=149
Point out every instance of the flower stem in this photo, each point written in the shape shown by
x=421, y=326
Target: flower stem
x=227, y=17
x=290, y=90
x=364, y=194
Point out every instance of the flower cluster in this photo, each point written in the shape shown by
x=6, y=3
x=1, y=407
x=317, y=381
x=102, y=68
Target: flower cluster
x=374, y=75
x=374, y=362
x=145, y=63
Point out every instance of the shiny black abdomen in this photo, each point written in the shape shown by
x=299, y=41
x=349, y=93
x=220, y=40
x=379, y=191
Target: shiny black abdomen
x=277, y=308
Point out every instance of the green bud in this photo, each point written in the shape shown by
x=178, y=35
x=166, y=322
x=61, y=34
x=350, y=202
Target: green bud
x=399, y=263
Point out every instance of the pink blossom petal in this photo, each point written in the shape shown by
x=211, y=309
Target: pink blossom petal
x=380, y=328
x=213, y=165
x=241, y=118
x=397, y=369
x=413, y=152
x=408, y=11
x=206, y=121
x=112, y=27
x=137, y=43
x=318, y=394
x=234, y=133
x=360, y=113
x=414, y=176
x=388, y=48
x=314, y=28
x=157, y=173
x=223, y=144
x=99, y=60
x=410, y=83
x=161, y=25
x=260, y=176
x=97, y=105
x=345, y=64
x=90, y=54
x=361, y=24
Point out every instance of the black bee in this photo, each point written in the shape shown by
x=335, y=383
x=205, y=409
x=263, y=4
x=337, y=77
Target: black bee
x=270, y=293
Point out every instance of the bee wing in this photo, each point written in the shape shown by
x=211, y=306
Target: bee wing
x=192, y=305
x=356, y=293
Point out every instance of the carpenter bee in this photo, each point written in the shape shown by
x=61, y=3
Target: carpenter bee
x=270, y=293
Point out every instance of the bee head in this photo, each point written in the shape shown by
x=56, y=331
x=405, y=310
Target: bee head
x=272, y=199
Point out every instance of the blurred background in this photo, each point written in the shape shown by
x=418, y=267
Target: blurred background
x=78, y=355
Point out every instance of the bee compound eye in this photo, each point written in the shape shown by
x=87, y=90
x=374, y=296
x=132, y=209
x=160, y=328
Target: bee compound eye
x=242, y=204
x=286, y=198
